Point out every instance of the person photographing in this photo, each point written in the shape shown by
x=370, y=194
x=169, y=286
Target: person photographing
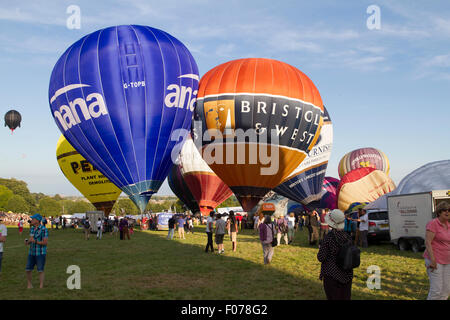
x=437, y=253
x=38, y=249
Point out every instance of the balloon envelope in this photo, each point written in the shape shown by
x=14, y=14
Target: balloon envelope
x=329, y=196
x=87, y=179
x=246, y=101
x=181, y=190
x=356, y=205
x=305, y=184
x=208, y=189
x=363, y=158
x=117, y=95
x=12, y=119
x=432, y=176
x=363, y=185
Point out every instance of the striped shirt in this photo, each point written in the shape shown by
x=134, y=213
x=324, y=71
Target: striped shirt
x=39, y=234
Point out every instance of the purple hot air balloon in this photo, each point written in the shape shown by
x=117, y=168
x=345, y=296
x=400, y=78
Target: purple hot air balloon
x=329, y=197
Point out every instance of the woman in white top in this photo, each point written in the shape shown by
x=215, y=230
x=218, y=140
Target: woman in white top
x=291, y=227
x=99, y=228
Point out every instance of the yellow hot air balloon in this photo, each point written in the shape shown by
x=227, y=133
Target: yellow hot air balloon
x=101, y=192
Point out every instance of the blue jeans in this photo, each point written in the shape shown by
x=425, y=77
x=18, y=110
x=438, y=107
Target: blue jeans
x=170, y=234
x=38, y=261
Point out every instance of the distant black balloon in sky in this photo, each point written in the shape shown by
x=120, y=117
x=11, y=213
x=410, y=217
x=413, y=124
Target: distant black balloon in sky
x=12, y=119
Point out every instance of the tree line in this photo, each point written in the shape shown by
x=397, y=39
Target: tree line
x=16, y=197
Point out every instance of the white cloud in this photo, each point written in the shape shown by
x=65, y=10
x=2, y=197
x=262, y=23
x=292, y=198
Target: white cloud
x=442, y=61
x=225, y=50
x=442, y=25
x=403, y=31
x=35, y=13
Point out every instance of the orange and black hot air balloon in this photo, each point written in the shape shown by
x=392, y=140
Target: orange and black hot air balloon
x=12, y=119
x=256, y=119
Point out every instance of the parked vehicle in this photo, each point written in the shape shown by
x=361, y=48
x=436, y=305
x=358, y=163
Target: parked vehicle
x=378, y=225
x=69, y=221
x=409, y=215
x=93, y=218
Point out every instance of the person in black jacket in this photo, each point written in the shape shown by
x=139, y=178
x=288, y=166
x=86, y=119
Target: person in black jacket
x=171, y=224
x=337, y=282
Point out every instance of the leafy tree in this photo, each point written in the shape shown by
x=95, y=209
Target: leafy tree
x=230, y=202
x=57, y=197
x=49, y=207
x=77, y=206
x=5, y=195
x=19, y=188
x=125, y=207
x=16, y=186
x=38, y=196
x=179, y=206
x=18, y=204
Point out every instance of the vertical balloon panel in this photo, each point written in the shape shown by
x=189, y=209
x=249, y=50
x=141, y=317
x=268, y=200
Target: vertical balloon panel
x=117, y=95
x=306, y=182
x=181, y=190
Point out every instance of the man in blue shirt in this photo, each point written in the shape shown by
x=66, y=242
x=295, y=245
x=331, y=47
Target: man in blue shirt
x=38, y=249
x=181, y=223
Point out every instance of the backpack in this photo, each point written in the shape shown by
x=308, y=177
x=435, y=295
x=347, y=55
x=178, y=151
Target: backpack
x=348, y=256
x=283, y=227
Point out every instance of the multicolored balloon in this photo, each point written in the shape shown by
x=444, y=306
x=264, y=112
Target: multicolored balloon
x=207, y=188
x=356, y=205
x=363, y=185
x=244, y=102
x=86, y=178
x=329, y=197
x=119, y=96
x=363, y=158
x=181, y=190
x=305, y=184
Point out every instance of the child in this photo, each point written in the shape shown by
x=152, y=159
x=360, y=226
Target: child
x=20, y=225
x=131, y=228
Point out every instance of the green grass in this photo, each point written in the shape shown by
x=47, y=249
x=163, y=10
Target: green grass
x=152, y=267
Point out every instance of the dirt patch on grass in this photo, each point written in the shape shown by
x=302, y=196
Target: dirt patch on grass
x=173, y=281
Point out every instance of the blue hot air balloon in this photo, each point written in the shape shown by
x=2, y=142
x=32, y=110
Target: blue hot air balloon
x=118, y=95
x=305, y=183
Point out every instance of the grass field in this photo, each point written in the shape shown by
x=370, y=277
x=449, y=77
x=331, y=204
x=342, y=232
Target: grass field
x=152, y=267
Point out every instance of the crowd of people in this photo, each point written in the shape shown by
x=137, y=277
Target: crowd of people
x=337, y=235
x=13, y=219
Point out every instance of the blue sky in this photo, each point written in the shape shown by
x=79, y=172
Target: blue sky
x=386, y=88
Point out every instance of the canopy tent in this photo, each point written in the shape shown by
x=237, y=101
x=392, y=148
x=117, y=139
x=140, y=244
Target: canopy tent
x=380, y=203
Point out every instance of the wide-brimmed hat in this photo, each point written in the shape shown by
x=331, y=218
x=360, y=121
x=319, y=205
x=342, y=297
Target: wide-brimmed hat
x=335, y=219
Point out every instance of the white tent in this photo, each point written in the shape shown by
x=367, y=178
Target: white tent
x=432, y=176
x=380, y=203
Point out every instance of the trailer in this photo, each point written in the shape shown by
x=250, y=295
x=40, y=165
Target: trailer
x=93, y=218
x=409, y=215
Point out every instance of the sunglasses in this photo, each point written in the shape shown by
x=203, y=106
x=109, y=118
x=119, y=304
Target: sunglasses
x=445, y=210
